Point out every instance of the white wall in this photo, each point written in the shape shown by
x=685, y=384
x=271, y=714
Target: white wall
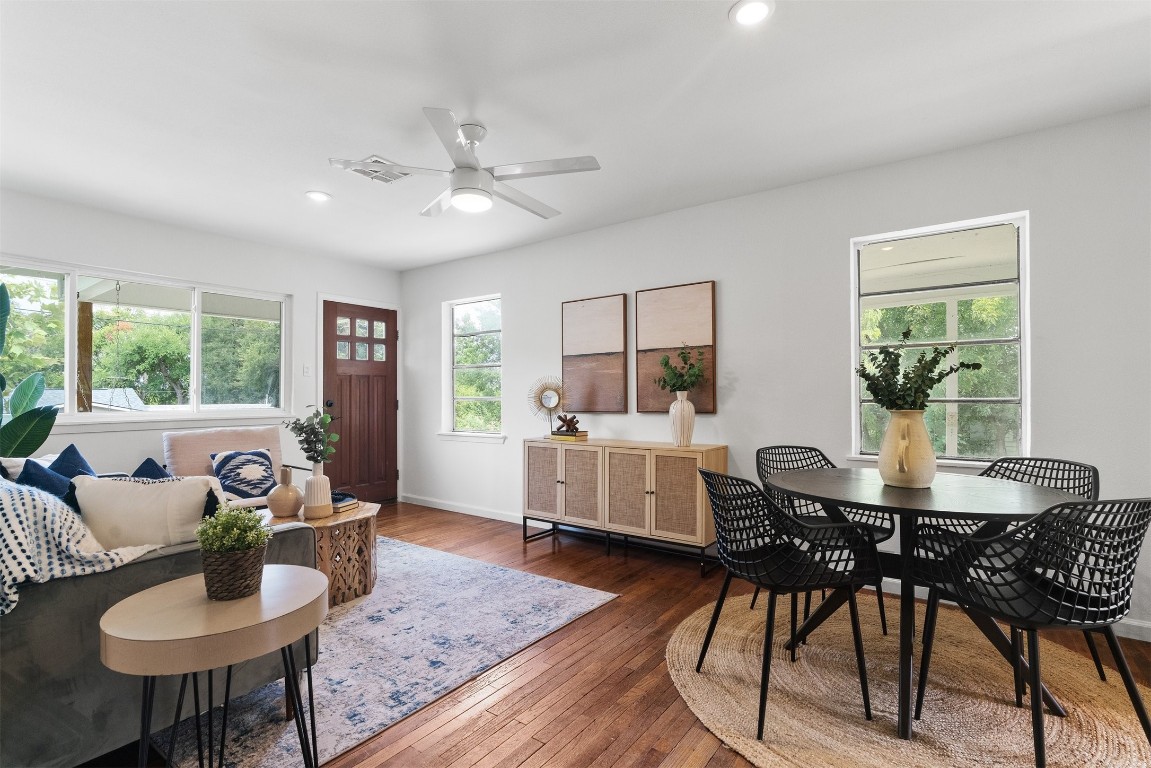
x=41, y=229
x=780, y=260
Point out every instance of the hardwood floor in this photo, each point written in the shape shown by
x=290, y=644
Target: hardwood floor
x=595, y=693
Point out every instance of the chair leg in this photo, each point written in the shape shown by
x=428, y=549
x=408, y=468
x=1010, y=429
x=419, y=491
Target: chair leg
x=1094, y=654
x=765, y=674
x=754, y=597
x=714, y=620
x=806, y=609
x=1128, y=680
x=794, y=622
x=1036, y=698
x=882, y=611
x=1017, y=665
x=929, y=617
x=859, y=653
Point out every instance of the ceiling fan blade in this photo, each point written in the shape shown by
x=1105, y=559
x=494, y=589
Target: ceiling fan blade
x=354, y=165
x=446, y=126
x=527, y=202
x=544, y=168
x=439, y=205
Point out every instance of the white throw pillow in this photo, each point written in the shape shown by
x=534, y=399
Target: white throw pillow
x=124, y=512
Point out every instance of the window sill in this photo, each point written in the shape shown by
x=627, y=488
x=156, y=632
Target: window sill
x=871, y=458
x=472, y=437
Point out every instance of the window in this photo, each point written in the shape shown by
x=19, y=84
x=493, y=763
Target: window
x=958, y=283
x=476, y=374
x=119, y=345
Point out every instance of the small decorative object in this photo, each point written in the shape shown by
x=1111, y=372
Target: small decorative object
x=285, y=499
x=342, y=501
x=316, y=442
x=568, y=423
x=544, y=397
x=232, y=547
x=906, y=456
x=681, y=381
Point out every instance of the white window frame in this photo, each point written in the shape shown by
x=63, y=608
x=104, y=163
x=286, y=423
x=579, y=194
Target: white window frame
x=1021, y=220
x=447, y=377
x=68, y=416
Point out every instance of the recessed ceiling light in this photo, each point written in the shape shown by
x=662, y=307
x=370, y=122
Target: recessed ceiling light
x=316, y=196
x=887, y=247
x=745, y=13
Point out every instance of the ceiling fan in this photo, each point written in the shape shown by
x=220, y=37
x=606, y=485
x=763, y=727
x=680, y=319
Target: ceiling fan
x=470, y=185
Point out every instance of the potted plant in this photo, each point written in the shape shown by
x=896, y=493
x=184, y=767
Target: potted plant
x=232, y=547
x=906, y=456
x=317, y=444
x=681, y=379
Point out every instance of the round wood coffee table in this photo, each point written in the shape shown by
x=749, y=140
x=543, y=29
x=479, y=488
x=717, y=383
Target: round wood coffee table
x=174, y=629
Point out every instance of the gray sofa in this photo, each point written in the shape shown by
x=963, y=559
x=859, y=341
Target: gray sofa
x=59, y=705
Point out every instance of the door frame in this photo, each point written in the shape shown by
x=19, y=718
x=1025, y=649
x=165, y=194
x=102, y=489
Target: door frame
x=318, y=356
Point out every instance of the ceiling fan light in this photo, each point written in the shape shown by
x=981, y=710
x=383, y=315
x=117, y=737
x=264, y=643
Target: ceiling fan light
x=317, y=196
x=747, y=13
x=471, y=200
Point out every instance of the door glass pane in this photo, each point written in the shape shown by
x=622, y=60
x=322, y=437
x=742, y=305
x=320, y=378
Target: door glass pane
x=240, y=345
x=141, y=344
x=379, y=329
x=361, y=327
x=361, y=350
x=35, y=338
x=343, y=350
x=379, y=353
x=343, y=326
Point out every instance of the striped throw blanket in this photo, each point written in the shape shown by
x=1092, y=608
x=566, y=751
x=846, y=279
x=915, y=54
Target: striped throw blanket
x=42, y=538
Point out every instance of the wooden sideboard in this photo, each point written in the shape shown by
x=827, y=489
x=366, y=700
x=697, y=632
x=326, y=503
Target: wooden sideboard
x=624, y=487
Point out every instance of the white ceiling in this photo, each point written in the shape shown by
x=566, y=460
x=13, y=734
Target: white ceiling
x=219, y=115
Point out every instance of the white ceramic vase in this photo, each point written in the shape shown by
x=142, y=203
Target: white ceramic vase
x=317, y=494
x=285, y=499
x=682, y=414
x=906, y=456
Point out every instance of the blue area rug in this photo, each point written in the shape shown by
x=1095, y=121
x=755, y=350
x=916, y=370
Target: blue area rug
x=433, y=622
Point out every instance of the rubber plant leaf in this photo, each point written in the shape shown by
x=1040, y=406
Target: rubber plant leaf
x=24, y=435
x=5, y=310
x=26, y=394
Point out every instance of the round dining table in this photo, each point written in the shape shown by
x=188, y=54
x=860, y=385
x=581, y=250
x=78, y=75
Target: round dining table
x=958, y=497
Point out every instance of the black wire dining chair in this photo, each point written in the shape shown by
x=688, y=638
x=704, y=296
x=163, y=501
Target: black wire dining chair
x=1063, y=474
x=760, y=542
x=786, y=458
x=1070, y=567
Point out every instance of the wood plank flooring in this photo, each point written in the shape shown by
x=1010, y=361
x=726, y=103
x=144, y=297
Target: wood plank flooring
x=595, y=693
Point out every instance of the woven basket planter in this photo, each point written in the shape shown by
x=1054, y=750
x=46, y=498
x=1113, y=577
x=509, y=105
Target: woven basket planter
x=232, y=575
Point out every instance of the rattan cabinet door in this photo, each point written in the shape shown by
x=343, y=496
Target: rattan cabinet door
x=677, y=504
x=581, y=479
x=542, y=480
x=626, y=490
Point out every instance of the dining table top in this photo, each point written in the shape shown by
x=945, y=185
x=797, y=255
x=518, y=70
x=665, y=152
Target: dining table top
x=953, y=495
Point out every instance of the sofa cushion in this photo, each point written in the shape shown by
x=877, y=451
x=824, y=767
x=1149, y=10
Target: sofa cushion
x=244, y=474
x=124, y=511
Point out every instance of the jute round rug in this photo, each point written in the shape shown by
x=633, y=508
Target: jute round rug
x=815, y=710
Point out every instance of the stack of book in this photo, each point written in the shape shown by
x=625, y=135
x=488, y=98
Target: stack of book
x=570, y=437
x=343, y=502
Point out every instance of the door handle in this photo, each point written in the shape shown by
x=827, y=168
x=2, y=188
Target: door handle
x=329, y=403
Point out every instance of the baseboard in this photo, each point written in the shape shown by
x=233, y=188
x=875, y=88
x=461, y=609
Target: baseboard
x=467, y=509
x=1135, y=629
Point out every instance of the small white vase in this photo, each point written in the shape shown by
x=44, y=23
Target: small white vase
x=317, y=494
x=682, y=414
x=906, y=456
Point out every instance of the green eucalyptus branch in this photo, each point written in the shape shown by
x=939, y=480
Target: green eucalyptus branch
x=313, y=436
x=685, y=378
x=898, y=389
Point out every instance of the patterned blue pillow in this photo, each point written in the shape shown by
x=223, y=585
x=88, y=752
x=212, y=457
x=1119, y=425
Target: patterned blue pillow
x=245, y=474
x=150, y=469
x=70, y=463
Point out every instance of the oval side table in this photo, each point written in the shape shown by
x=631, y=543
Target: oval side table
x=174, y=629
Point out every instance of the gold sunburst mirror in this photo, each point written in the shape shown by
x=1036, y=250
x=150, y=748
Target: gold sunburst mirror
x=544, y=398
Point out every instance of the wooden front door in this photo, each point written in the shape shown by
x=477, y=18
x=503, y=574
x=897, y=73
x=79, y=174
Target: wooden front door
x=360, y=394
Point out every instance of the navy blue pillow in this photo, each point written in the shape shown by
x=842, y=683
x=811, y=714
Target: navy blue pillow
x=34, y=475
x=70, y=463
x=150, y=469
